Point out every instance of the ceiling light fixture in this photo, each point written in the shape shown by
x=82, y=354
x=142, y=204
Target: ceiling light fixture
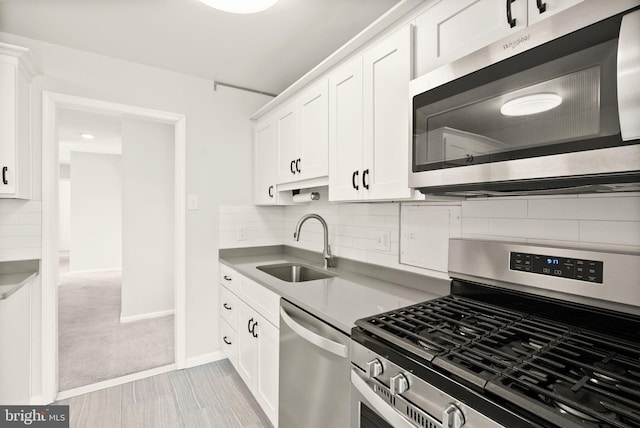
x=87, y=136
x=530, y=104
x=240, y=6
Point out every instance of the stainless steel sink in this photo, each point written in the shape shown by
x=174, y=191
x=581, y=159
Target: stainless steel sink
x=295, y=272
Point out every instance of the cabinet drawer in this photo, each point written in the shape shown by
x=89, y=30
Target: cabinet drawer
x=229, y=307
x=229, y=342
x=229, y=278
x=260, y=298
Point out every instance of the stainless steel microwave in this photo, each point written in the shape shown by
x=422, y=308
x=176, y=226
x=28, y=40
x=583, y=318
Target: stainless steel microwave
x=561, y=115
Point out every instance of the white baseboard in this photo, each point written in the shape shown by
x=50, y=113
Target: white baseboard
x=114, y=382
x=205, y=359
x=146, y=316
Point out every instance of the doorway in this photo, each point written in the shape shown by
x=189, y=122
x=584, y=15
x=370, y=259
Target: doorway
x=54, y=104
x=116, y=291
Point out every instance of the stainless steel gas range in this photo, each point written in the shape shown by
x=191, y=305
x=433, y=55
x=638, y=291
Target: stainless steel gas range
x=530, y=336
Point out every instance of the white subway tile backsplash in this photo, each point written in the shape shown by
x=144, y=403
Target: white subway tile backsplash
x=495, y=208
x=612, y=208
x=563, y=230
x=609, y=222
x=611, y=232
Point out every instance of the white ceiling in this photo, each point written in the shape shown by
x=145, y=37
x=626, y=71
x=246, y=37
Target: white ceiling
x=267, y=51
x=105, y=128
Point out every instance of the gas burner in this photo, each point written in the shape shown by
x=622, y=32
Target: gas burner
x=582, y=397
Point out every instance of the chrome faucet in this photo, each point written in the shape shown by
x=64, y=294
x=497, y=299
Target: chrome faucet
x=326, y=253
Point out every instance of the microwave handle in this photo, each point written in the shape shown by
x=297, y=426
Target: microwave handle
x=387, y=412
x=629, y=75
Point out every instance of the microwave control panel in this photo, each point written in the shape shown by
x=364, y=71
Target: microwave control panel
x=562, y=267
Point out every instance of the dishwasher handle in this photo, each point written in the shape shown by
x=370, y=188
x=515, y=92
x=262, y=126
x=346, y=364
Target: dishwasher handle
x=322, y=342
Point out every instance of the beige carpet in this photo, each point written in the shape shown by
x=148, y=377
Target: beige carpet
x=93, y=344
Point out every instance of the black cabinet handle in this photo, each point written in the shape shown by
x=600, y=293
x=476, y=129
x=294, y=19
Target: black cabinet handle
x=298, y=165
x=542, y=7
x=226, y=278
x=353, y=180
x=271, y=191
x=365, y=174
x=226, y=340
x=253, y=330
x=510, y=20
x=293, y=171
x=4, y=175
x=227, y=307
x=249, y=326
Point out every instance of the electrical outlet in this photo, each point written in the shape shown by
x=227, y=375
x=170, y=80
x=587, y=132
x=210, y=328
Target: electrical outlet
x=383, y=240
x=242, y=233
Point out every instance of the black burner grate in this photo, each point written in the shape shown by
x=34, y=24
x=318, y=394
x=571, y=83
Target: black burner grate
x=566, y=375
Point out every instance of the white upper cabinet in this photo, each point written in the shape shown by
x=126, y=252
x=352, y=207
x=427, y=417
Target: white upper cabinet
x=369, y=123
x=452, y=29
x=264, y=163
x=16, y=72
x=386, y=75
x=539, y=10
x=302, y=135
x=345, y=131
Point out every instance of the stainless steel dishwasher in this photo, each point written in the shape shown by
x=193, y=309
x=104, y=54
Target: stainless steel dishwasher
x=314, y=372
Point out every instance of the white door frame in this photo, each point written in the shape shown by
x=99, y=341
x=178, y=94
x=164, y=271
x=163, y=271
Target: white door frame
x=51, y=102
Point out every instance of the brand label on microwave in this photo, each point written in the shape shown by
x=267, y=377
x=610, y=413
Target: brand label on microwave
x=516, y=42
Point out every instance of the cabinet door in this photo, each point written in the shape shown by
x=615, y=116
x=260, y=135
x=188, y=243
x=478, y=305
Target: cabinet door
x=264, y=163
x=387, y=71
x=313, y=131
x=452, y=29
x=247, y=346
x=286, y=142
x=542, y=9
x=268, y=342
x=7, y=129
x=345, y=132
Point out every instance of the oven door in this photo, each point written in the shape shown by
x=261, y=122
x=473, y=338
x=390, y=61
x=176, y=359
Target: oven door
x=369, y=410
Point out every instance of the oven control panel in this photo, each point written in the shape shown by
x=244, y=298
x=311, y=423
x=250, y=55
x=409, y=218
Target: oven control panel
x=563, y=267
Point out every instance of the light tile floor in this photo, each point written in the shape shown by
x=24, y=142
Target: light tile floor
x=211, y=395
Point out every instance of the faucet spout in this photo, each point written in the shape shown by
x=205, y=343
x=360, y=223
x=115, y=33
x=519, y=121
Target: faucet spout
x=326, y=253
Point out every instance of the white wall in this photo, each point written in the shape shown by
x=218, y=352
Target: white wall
x=218, y=164
x=20, y=229
x=147, y=219
x=96, y=212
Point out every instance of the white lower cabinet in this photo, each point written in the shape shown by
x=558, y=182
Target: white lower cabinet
x=250, y=339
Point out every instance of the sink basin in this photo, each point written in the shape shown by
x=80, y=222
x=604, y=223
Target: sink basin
x=294, y=272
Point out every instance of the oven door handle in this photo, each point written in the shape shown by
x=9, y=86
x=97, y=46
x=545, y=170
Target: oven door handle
x=388, y=413
x=321, y=342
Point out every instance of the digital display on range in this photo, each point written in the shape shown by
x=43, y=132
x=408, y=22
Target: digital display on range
x=562, y=267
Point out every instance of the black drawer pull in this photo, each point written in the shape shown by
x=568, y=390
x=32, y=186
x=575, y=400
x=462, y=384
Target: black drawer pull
x=542, y=7
x=298, y=165
x=365, y=174
x=271, y=191
x=226, y=340
x=227, y=307
x=249, y=326
x=4, y=175
x=291, y=167
x=227, y=278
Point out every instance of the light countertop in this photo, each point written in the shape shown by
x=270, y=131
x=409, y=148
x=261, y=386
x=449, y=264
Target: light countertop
x=345, y=298
x=14, y=275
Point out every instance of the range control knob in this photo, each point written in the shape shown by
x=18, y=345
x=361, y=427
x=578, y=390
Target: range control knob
x=374, y=368
x=398, y=384
x=452, y=417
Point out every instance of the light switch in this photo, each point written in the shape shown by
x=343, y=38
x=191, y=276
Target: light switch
x=192, y=202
